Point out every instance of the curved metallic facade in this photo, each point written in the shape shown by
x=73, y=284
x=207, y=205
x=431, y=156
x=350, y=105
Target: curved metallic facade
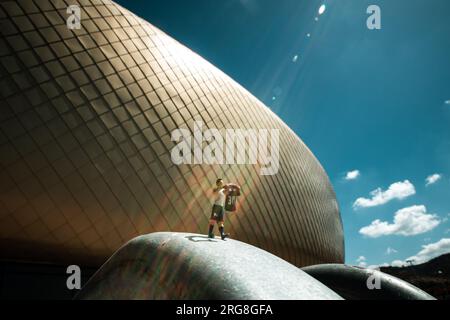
x=85, y=127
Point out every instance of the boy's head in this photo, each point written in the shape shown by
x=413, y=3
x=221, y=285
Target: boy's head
x=219, y=183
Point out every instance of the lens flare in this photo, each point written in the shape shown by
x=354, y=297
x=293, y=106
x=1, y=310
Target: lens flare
x=322, y=9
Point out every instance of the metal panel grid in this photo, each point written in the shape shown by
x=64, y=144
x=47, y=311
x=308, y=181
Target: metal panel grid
x=85, y=124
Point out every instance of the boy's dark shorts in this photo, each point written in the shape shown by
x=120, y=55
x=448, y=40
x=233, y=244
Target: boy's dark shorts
x=217, y=213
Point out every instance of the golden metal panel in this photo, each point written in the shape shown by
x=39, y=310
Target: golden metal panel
x=85, y=126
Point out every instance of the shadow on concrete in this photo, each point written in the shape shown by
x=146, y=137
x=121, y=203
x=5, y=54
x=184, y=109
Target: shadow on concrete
x=200, y=239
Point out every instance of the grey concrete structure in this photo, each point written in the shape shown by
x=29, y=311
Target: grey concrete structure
x=86, y=117
x=167, y=265
x=356, y=283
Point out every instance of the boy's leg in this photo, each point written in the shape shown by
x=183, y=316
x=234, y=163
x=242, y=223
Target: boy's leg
x=223, y=235
x=212, y=221
x=211, y=229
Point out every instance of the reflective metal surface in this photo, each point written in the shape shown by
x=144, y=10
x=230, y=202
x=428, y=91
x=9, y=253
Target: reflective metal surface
x=85, y=138
x=355, y=283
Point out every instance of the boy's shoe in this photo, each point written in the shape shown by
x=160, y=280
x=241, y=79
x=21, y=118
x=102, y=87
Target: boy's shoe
x=224, y=236
x=211, y=236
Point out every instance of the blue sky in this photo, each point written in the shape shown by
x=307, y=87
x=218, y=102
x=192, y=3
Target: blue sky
x=376, y=101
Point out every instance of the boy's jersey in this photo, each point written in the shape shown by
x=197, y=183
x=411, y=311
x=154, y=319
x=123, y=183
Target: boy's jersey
x=220, y=198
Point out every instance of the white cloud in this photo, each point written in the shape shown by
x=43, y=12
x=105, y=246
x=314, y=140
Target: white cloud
x=398, y=263
x=432, y=179
x=378, y=266
x=408, y=221
x=447, y=102
x=361, y=261
x=352, y=175
x=295, y=58
x=398, y=190
x=432, y=250
x=374, y=267
x=390, y=250
x=428, y=252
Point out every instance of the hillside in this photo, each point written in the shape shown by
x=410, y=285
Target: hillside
x=432, y=276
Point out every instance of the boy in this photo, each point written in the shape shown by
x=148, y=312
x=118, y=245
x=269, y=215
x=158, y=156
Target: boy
x=218, y=210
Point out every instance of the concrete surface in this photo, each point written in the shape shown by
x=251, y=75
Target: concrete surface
x=168, y=265
x=352, y=283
